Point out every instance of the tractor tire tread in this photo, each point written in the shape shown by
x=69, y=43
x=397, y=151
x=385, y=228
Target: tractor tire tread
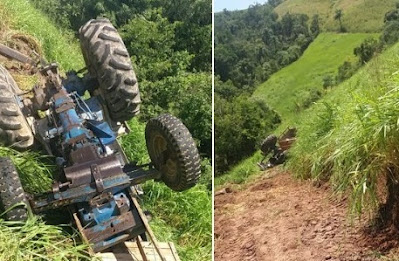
x=14, y=129
x=12, y=192
x=108, y=60
x=183, y=144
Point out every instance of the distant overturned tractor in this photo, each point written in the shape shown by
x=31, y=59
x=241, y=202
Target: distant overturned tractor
x=278, y=147
x=77, y=120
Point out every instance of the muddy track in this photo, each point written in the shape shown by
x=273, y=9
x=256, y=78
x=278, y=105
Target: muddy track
x=280, y=219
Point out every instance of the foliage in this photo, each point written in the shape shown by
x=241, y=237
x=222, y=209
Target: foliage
x=345, y=71
x=390, y=34
x=239, y=126
x=328, y=81
x=252, y=44
x=315, y=25
x=338, y=16
x=367, y=50
x=191, y=14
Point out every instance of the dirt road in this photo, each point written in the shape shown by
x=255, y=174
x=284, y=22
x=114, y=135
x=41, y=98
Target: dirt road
x=279, y=218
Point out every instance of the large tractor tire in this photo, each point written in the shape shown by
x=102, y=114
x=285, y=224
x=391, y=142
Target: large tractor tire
x=268, y=144
x=108, y=61
x=12, y=193
x=173, y=152
x=14, y=130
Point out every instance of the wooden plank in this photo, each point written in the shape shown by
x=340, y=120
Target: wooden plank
x=82, y=235
x=14, y=54
x=146, y=225
x=130, y=251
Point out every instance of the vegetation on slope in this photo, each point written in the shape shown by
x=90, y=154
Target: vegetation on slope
x=184, y=218
x=357, y=15
x=298, y=85
x=351, y=137
x=250, y=45
x=295, y=88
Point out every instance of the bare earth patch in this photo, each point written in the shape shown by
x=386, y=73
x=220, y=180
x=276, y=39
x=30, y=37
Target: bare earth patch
x=280, y=218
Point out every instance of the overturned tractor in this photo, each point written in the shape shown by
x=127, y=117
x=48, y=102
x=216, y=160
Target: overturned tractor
x=278, y=146
x=96, y=181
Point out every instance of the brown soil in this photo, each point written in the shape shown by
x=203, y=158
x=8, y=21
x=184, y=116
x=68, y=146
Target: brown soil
x=280, y=218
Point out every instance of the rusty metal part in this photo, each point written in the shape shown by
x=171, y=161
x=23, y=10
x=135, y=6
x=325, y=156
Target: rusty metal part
x=113, y=227
x=95, y=171
x=14, y=54
x=81, y=173
x=99, y=200
x=84, y=154
x=76, y=194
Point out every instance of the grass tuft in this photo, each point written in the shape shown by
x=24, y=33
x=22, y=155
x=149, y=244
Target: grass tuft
x=35, y=240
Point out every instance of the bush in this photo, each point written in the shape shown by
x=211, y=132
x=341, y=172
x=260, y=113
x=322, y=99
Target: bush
x=239, y=126
x=390, y=35
x=328, y=81
x=345, y=71
x=367, y=50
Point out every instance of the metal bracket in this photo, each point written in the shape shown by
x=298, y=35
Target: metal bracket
x=97, y=177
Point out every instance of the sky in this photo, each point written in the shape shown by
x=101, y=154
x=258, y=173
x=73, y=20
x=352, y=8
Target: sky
x=235, y=4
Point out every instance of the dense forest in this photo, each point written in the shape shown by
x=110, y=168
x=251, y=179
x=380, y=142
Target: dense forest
x=251, y=45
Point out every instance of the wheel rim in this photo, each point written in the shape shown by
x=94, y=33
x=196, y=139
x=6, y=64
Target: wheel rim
x=165, y=159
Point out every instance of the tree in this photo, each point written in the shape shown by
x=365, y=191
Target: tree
x=338, y=17
x=315, y=26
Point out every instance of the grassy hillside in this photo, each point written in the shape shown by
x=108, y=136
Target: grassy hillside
x=358, y=15
x=184, y=218
x=350, y=137
x=293, y=85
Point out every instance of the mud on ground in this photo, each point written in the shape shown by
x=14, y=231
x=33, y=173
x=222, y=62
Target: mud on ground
x=280, y=218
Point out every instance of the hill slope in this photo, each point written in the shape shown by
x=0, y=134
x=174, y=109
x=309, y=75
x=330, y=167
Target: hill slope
x=293, y=85
x=358, y=15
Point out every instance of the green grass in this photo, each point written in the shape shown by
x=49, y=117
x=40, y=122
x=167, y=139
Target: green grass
x=34, y=240
x=358, y=15
x=241, y=173
x=290, y=87
x=58, y=45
